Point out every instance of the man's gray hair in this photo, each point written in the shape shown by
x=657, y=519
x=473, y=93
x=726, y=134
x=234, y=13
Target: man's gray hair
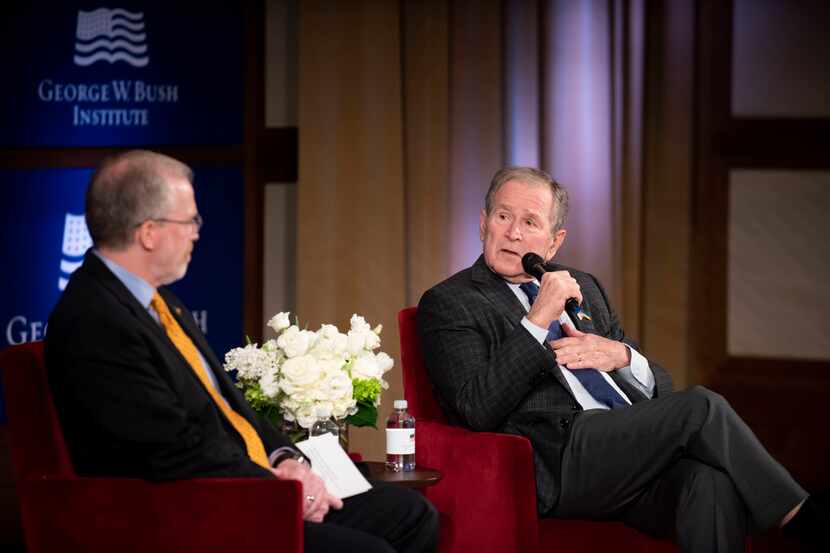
x=126, y=190
x=530, y=175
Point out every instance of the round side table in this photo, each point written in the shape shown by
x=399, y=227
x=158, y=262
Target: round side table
x=421, y=477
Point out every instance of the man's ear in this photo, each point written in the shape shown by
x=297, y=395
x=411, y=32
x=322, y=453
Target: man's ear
x=145, y=235
x=482, y=224
x=558, y=240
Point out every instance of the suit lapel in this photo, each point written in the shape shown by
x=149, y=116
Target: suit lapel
x=102, y=273
x=223, y=380
x=496, y=290
x=586, y=325
x=110, y=282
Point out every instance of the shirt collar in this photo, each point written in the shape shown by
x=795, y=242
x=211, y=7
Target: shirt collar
x=137, y=286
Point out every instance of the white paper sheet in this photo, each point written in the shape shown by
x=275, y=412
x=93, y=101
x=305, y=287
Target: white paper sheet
x=332, y=464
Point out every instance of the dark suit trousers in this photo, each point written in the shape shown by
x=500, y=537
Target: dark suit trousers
x=681, y=466
x=386, y=519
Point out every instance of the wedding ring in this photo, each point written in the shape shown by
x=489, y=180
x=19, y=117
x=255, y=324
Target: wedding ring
x=309, y=498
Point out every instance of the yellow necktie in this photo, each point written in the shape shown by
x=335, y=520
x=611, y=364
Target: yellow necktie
x=256, y=451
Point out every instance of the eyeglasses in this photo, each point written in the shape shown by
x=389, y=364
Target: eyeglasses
x=196, y=221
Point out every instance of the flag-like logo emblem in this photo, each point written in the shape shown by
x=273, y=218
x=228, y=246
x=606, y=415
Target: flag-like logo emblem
x=76, y=241
x=111, y=35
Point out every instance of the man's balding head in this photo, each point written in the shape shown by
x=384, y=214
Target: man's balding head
x=125, y=191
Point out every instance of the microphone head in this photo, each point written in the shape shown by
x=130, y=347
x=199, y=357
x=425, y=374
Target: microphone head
x=534, y=265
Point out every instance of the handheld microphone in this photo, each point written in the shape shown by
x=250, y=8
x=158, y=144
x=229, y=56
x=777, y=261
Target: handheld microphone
x=534, y=265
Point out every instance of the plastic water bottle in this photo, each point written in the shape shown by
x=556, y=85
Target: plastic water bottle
x=400, y=439
x=323, y=424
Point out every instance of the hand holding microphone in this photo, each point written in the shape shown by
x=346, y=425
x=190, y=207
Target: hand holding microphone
x=576, y=350
x=558, y=291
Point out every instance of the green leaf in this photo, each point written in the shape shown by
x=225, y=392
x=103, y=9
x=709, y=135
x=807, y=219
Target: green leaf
x=367, y=415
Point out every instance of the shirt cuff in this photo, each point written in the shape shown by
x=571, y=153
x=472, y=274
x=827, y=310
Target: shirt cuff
x=280, y=451
x=537, y=332
x=638, y=372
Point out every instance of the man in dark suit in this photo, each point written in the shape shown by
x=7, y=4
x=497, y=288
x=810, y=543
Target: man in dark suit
x=610, y=438
x=139, y=391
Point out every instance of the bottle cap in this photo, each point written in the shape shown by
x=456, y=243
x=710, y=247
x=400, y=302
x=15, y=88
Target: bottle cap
x=400, y=404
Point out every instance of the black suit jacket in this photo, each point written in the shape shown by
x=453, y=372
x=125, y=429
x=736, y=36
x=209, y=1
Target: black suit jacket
x=490, y=374
x=128, y=402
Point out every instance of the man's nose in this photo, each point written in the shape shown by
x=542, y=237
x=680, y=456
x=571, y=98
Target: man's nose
x=514, y=233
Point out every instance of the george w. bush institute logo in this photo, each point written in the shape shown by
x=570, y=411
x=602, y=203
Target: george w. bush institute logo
x=110, y=35
x=76, y=241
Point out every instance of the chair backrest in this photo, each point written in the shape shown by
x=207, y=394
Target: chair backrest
x=37, y=444
x=417, y=388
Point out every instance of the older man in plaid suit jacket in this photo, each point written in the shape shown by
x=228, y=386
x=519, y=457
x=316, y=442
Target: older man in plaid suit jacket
x=610, y=438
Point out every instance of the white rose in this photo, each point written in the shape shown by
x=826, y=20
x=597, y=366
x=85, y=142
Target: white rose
x=343, y=407
x=280, y=321
x=330, y=342
x=322, y=407
x=339, y=386
x=331, y=367
x=295, y=342
x=306, y=415
x=362, y=340
x=328, y=331
x=355, y=342
x=358, y=323
x=273, y=350
x=366, y=366
x=361, y=336
x=372, y=340
x=385, y=363
x=299, y=373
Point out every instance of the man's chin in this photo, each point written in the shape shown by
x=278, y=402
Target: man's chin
x=510, y=272
x=178, y=275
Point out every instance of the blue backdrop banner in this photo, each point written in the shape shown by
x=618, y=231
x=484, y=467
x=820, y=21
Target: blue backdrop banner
x=45, y=238
x=131, y=73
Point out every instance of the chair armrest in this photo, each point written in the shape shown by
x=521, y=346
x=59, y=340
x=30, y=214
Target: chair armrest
x=124, y=514
x=487, y=490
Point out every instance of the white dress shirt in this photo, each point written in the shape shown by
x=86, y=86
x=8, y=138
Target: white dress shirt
x=637, y=373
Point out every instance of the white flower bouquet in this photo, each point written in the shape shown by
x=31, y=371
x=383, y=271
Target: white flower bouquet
x=290, y=377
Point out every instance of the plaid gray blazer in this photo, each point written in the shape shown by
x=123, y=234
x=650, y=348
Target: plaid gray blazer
x=489, y=373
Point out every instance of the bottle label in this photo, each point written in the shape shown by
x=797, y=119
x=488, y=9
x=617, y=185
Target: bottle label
x=400, y=441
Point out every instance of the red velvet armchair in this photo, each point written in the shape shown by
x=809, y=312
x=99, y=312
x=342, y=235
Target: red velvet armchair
x=487, y=496
x=64, y=512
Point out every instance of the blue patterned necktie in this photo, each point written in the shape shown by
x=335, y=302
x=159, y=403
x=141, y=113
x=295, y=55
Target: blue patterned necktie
x=591, y=379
